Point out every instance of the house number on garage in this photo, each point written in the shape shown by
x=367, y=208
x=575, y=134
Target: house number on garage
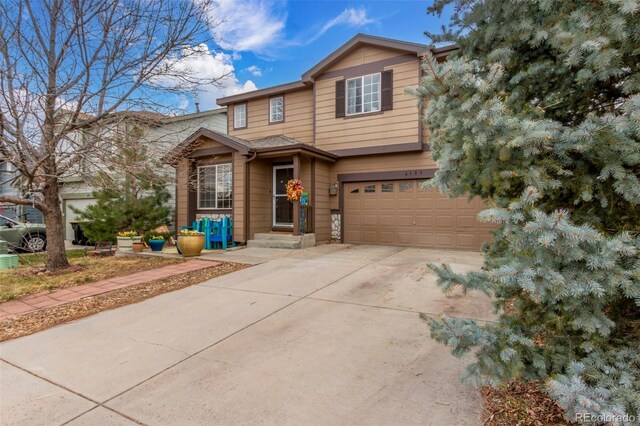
x=413, y=173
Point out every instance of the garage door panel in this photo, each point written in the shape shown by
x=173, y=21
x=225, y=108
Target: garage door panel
x=369, y=220
x=369, y=237
x=445, y=239
x=446, y=220
x=467, y=241
x=387, y=237
x=388, y=204
x=425, y=239
x=385, y=219
x=405, y=204
x=466, y=221
x=405, y=237
x=71, y=216
x=412, y=216
x=404, y=220
x=370, y=204
x=428, y=220
x=424, y=204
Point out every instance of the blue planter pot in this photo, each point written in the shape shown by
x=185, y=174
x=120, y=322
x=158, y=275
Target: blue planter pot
x=156, y=245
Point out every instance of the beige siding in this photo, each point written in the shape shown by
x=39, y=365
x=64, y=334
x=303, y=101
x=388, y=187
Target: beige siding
x=322, y=202
x=298, y=118
x=364, y=55
x=397, y=126
x=380, y=163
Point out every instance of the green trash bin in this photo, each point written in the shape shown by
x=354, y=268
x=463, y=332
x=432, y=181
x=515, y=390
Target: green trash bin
x=4, y=247
x=8, y=261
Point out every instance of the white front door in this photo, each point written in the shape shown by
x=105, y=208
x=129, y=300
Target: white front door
x=282, y=208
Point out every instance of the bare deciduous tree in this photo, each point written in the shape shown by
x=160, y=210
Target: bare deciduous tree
x=67, y=68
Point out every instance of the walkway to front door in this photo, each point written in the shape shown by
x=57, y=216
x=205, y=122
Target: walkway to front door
x=282, y=209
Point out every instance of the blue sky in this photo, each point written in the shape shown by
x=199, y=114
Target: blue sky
x=261, y=43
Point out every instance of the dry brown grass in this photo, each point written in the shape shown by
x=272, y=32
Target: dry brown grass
x=521, y=404
x=31, y=277
x=23, y=325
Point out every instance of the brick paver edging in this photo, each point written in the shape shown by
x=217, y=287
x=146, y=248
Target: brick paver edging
x=48, y=299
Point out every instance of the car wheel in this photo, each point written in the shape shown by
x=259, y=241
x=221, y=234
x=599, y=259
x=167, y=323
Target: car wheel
x=35, y=243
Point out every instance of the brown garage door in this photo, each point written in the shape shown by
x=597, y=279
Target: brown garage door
x=403, y=213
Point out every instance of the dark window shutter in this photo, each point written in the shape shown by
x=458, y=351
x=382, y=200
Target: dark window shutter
x=340, y=101
x=386, y=94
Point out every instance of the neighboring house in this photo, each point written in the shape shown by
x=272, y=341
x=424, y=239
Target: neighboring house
x=354, y=137
x=9, y=187
x=161, y=134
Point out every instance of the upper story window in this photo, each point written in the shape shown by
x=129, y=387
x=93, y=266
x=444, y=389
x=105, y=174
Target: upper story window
x=363, y=94
x=276, y=109
x=215, y=186
x=239, y=116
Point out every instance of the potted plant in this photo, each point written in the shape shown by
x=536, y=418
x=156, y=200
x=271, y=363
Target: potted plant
x=126, y=240
x=137, y=246
x=156, y=242
x=190, y=243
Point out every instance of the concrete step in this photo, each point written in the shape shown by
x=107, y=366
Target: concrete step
x=292, y=245
x=286, y=241
x=275, y=236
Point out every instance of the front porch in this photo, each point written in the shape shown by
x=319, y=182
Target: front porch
x=219, y=175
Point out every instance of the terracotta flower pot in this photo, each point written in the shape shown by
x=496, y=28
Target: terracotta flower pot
x=190, y=245
x=126, y=243
x=138, y=246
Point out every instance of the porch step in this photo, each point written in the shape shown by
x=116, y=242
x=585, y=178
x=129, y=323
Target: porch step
x=281, y=240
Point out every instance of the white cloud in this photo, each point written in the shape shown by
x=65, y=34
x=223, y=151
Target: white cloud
x=350, y=17
x=247, y=25
x=207, y=65
x=255, y=71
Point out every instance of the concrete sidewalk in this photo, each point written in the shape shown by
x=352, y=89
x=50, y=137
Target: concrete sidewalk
x=328, y=335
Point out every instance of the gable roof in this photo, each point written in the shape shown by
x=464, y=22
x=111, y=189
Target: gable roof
x=360, y=40
x=245, y=147
x=307, y=78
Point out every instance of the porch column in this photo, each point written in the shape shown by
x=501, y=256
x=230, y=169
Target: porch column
x=296, y=204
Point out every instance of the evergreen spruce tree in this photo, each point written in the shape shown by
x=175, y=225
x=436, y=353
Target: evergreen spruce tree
x=131, y=194
x=538, y=114
x=122, y=209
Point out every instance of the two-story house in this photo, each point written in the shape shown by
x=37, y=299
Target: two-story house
x=350, y=132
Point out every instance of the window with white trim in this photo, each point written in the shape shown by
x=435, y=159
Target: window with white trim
x=363, y=94
x=215, y=187
x=276, y=109
x=240, y=116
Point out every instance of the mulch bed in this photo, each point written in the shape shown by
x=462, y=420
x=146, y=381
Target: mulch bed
x=522, y=404
x=33, y=322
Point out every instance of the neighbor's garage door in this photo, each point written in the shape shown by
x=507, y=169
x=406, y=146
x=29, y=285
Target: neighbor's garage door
x=70, y=215
x=403, y=213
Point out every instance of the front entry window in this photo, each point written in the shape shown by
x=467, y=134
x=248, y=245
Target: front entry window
x=282, y=208
x=215, y=187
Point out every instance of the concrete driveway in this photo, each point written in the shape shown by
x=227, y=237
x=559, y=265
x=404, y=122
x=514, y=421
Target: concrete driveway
x=328, y=335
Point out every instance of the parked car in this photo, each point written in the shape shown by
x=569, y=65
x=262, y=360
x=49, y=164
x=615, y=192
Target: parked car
x=23, y=236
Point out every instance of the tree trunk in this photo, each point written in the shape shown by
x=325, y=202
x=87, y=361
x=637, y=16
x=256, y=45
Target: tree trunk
x=56, y=253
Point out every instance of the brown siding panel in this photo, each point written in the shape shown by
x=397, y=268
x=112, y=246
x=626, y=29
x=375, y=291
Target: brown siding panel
x=323, y=202
x=260, y=194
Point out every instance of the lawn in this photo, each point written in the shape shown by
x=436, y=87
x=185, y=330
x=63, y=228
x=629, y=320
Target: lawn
x=31, y=277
